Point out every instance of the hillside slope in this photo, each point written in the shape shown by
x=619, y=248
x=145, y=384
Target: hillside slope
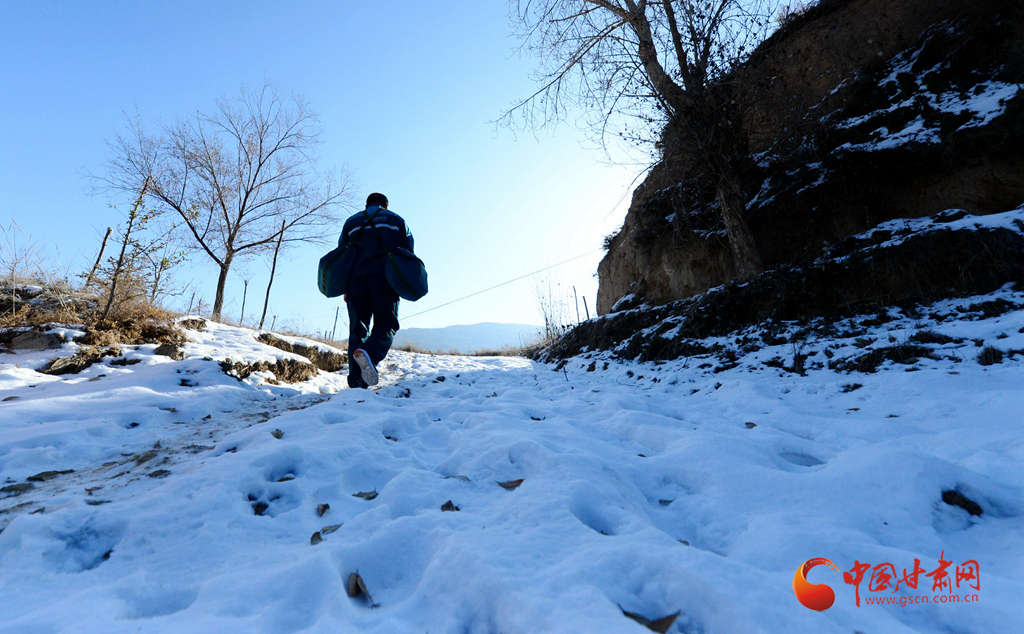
x=164, y=496
x=859, y=112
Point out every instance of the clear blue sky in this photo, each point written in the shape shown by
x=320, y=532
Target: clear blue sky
x=405, y=90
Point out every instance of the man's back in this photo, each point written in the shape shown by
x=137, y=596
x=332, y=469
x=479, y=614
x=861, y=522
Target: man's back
x=362, y=230
x=370, y=297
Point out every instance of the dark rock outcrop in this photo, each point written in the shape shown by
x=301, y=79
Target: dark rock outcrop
x=285, y=370
x=323, y=359
x=193, y=323
x=131, y=332
x=171, y=350
x=84, y=358
x=35, y=339
x=885, y=267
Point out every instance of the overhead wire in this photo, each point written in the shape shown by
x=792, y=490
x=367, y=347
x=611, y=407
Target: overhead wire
x=583, y=255
x=500, y=285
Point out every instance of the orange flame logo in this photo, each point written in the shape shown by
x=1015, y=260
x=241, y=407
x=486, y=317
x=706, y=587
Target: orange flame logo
x=816, y=596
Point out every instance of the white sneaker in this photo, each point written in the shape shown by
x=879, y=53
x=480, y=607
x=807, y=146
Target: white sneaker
x=369, y=373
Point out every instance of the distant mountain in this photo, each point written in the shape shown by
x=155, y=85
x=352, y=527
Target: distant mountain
x=469, y=338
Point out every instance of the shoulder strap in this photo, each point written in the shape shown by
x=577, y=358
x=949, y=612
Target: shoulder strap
x=369, y=219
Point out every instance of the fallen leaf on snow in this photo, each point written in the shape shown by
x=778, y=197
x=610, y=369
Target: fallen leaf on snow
x=449, y=506
x=511, y=484
x=277, y=433
x=322, y=508
x=366, y=495
x=657, y=625
x=315, y=539
x=327, y=530
x=356, y=586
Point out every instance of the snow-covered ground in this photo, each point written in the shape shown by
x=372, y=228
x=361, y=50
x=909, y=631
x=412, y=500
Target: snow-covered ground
x=646, y=488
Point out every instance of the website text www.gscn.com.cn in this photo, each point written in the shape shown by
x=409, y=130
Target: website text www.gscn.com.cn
x=905, y=601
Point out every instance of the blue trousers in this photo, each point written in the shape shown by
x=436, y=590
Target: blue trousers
x=370, y=297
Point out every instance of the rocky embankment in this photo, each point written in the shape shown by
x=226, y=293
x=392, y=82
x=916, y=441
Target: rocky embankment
x=860, y=111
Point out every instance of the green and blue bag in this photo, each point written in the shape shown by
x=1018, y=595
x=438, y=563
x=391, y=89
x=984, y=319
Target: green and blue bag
x=335, y=269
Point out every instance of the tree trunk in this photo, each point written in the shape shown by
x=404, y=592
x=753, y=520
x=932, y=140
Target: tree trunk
x=222, y=280
x=273, y=268
x=120, y=263
x=715, y=127
x=741, y=240
x=99, y=258
x=668, y=90
x=158, y=272
x=241, y=320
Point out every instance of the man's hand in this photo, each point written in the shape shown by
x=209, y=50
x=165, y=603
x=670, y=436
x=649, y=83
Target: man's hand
x=344, y=298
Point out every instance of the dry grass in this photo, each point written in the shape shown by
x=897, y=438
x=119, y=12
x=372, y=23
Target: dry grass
x=411, y=347
x=29, y=316
x=990, y=355
x=523, y=350
x=21, y=306
x=327, y=341
x=57, y=303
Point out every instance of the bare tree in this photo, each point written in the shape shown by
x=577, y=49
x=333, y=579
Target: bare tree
x=659, y=65
x=233, y=176
x=21, y=259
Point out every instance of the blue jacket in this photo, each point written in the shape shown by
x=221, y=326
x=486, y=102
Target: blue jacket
x=392, y=229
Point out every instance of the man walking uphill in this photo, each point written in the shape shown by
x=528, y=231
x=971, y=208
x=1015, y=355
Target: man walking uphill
x=373, y=232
